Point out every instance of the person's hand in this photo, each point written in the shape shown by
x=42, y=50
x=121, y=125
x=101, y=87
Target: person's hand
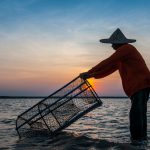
x=84, y=75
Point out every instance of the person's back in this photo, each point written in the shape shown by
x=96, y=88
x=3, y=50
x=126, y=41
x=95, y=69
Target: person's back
x=134, y=73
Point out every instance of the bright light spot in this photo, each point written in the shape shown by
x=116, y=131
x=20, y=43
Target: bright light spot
x=92, y=82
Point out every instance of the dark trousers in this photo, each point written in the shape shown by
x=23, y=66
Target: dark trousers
x=138, y=114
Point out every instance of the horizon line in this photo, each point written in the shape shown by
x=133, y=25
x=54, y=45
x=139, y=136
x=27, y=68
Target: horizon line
x=58, y=97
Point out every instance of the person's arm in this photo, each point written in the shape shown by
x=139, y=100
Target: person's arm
x=109, y=65
x=105, y=72
x=99, y=71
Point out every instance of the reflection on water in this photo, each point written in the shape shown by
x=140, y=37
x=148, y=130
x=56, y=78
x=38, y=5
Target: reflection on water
x=107, y=127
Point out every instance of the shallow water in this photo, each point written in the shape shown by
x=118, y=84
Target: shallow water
x=107, y=127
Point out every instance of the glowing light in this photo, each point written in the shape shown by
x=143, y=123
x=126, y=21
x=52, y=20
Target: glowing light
x=92, y=82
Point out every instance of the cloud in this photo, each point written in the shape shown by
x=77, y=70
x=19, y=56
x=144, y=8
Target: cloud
x=52, y=36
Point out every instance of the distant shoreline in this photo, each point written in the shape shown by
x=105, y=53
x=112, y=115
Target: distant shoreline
x=17, y=97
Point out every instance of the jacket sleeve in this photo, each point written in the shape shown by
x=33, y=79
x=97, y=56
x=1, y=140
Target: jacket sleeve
x=109, y=65
x=105, y=72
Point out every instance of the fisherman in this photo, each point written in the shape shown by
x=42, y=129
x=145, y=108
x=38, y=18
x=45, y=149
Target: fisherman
x=135, y=77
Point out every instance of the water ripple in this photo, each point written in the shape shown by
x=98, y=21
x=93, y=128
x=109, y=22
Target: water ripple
x=104, y=128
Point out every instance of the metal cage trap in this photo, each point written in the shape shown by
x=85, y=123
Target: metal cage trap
x=59, y=110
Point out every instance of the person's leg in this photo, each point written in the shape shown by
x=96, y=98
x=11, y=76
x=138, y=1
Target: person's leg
x=145, y=114
x=145, y=121
x=138, y=119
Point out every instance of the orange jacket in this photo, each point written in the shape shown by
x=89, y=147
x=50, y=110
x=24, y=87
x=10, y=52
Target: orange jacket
x=134, y=73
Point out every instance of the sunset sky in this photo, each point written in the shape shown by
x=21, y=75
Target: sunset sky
x=46, y=43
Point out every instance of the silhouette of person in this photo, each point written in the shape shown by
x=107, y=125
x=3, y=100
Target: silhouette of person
x=135, y=77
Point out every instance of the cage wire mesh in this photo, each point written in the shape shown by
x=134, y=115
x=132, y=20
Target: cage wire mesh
x=59, y=110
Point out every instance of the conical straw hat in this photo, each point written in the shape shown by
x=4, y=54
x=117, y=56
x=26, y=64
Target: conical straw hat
x=117, y=38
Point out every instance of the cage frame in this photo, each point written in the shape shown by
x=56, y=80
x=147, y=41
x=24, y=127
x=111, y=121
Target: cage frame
x=97, y=103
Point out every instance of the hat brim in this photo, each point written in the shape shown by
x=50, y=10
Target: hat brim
x=117, y=41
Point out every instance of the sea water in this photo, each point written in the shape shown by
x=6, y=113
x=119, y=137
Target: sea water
x=106, y=127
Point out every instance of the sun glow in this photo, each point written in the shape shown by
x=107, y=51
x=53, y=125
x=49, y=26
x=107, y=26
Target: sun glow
x=92, y=82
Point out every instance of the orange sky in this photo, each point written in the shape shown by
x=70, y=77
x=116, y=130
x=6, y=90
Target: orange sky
x=45, y=44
